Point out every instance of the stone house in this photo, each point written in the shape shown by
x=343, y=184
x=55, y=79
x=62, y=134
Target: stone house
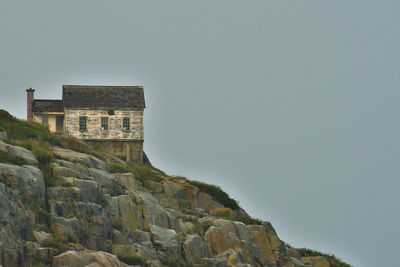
x=106, y=117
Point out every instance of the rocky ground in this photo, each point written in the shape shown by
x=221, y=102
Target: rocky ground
x=74, y=209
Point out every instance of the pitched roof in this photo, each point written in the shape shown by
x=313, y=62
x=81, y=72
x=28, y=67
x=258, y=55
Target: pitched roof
x=88, y=96
x=48, y=105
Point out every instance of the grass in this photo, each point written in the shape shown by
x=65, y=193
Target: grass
x=332, y=259
x=141, y=172
x=23, y=130
x=217, y=194
x=132, y=260
x=42, y=151
x=7, y=158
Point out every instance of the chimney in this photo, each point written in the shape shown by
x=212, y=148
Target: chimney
x=29, y=105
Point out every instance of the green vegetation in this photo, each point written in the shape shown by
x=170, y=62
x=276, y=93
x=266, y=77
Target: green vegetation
x=23, y=130
x=184, y=204
x=132, y=260
x=248, y=220
x=60, y=240
x=141, y=172
x=7, y=158
x=202, y=228
x=217, y=194
x=333, y=260
x=42, y=152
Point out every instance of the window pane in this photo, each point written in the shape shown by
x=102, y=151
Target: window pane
x=104, y=123
x=125, y=124
x=82, y=123
x=45, y=120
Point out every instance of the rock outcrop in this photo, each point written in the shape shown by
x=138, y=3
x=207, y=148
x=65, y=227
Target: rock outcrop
x=72, y=211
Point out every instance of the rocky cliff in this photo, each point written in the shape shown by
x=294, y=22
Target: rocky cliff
x=64, y=204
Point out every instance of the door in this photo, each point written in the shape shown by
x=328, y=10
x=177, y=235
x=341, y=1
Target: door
x=60, y=123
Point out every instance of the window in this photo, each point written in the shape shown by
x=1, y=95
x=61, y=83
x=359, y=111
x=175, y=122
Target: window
x=82, y=123
x=104, y=123
x=125, y=124
x=45, y=120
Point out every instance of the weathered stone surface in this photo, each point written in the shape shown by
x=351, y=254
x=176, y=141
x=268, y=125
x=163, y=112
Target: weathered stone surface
x=106, y=180
x=124, y=213
x=89, y=222
x=154, y=212
x=41, y=236
x=34, y=254
x=85, y=258
x=242, y=231
x=218, y=240
x=73, y=166
x=27, y=179
x=134, y=250
x=17, y=151
x=86, y=159
x=194, y=248
x=167, y=241
x=128, y=180
x=153, y=187
x=264, y=248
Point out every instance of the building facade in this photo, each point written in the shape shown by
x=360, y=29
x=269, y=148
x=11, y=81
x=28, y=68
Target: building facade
x=106, y=117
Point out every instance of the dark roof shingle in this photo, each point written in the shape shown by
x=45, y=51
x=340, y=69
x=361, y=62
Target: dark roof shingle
x=48, y=105
x=88, y=96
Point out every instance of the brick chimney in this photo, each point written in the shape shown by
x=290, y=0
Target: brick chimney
x=29, y=104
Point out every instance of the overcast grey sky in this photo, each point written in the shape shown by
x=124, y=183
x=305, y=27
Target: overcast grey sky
x=290, y=106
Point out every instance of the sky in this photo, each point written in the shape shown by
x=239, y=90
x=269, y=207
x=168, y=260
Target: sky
x=290, y=106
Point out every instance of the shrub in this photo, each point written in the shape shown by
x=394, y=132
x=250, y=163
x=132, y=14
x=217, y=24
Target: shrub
x=248, y=220
x=132, y=260
x=184, y=204
x=217, y=194
x=117, y=167
x=332, y=259
x=141, y=172
x=222, y=212
x=42, y=152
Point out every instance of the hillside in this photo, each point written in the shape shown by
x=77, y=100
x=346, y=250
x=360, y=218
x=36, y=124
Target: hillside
x=64, y=204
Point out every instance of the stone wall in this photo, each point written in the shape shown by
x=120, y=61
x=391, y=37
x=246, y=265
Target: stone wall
x=114, y=132
x=132, y=150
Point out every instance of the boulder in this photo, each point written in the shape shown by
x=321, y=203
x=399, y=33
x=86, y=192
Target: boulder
x=85, y=159
x=76, y=167
x=134, y=250
x=218, y=240
x=86, y=258
x=27, y=179
x=41, y=236
x=128, y=180
x=167, y=242
x=106, y=180
x=194, y=248
x=17, y=151
x=124, y=214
